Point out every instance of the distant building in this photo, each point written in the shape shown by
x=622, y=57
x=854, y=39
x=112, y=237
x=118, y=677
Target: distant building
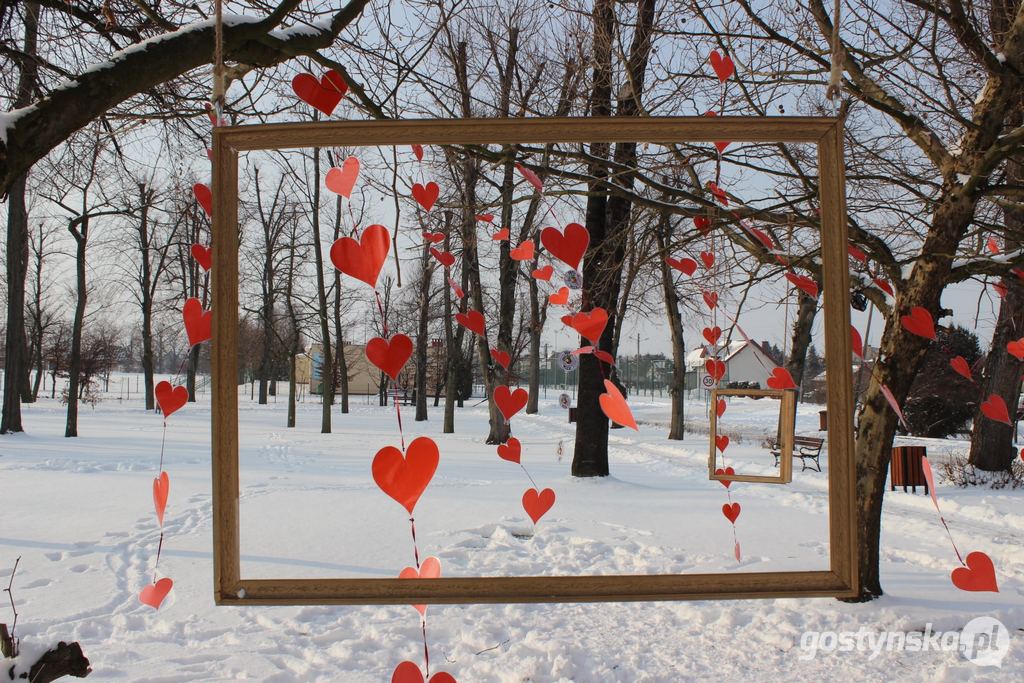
x=745, y=361
x=363, y=377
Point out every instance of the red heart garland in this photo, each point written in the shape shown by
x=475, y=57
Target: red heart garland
x=417, y=150
x=511, y=451
x=154, y=594
x=434, y=237
x=568, y=247
x=728, y=471
x=455, y=288
x=170, y=398
x=719, y=194
x=781, y=379
x=323, y=95
x=197, y=321
x=531, y=177
x=708, y=259
x=804, y=283
x=524, y=252
x=590, y=324
x=501, y=235
x=405, y=479
x=711, y=299
x=715, y=368
x=485, y=217
x=614, y=406
x=543, y=273
x=430, y=568
x=445, y=258
x=161, y=489
x=560, y=298
x=702, y=223
x=389, y=355
x=426, y=195
x=994, y=408
x=501, y=358
x=712, y=334
x=731, y=511
x=342, y=180
x=472, y=321
x=203, y=256
x=919, y=322
x=510, y=402
x=364, y=259
x=723, y=65
x=720, y=408
x=686, y=266
x=960, y=367
x=537, y=503
x=978, y=575
x=721, y=442
x=204, y=197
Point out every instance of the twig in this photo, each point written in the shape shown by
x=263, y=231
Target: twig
x=10, y=642
x=504, y=642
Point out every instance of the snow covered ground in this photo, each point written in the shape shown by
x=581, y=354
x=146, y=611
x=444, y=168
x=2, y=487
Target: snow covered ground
x=79, y=513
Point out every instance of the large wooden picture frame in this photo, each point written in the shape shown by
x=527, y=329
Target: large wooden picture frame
x=231, y=588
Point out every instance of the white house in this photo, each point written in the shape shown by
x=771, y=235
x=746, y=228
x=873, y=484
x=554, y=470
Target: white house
x=745, y=361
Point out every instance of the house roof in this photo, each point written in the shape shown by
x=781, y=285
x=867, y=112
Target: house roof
x=696, y=358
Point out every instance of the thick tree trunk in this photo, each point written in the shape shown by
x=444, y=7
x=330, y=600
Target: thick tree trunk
x=803, y=324
x=421, y=335
x=146, y=296
x=81, y=236
x=538, y=314
x=677, y=419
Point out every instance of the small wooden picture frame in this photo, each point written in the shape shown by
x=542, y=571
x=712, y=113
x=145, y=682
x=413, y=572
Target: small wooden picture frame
x=787, y=425
x=826, y=133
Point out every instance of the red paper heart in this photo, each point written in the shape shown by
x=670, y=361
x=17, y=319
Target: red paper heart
x=203, y=256
x=702, y=223
x=501, y=358
x=1016, y=348
x=856, y=343
x=719, y=144
x=719, y=194
x=197, y=321
x=511, y=451
x=405, y=479
x=762, y=237
x=614, y=406
x=323, y=95
x=510, y=402
x=430, y=568
x=537, y=503
x=994, y=408
x=426, y=195
x=731, y=511
x=342, y=180
x=472, y=321
x=714, y=368
x=389, y=355
x=204, y=197
x=524, y=252
x=161, y=489
x=434, y=237
x=531, y=177
x=728, y=471
x=708, y=259
x=485, y=217
x=884, y=286
x=1000, y=289
x=804, y=283
x=568, y=247
x=560, y=298
x=723, y=66
x=407, y=672
x=417, y=150
x=502, y=234
x=543, y=273
x=711, y=299
x=169, y=397
x=154, y=594
x=712, y=334
x=720, y=408
x=455, y=288
x=992, y=245
x=686, y=266
x=590, y=324
x=960, y=366
x=919, y=322
x=857, y=253
x=445, y=258
x=781, y=379
x=978, y=575
x=364, y=259
x=721, y=442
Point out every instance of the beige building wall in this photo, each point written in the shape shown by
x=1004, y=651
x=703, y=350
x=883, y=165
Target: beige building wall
x=362, y=377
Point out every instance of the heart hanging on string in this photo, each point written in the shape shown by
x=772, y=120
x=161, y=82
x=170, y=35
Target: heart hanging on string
x=426, y=195
x=804, y=284
x=727, y=472
x=731, y=511
x=559, y=298
x=445, y=258
x=501, y=358
x=161, y=489
x=323, y=95
x=524, y=252
x=203, y=256
x=994, y=408
x=405, y=479
x=433, y=237
x=531, y=177
x=430, y=568
x=781, y=379
x=537, y=503
x=919, y=322
x=364, y=259
x=543, y=273
x=723, y=65
x=204, y=197
x=510, y=402
x=614, y=406
x=472, y=320
x=712, y=334
x=569, y=246
x=154, y=594
x=170, y=398
x=407, y=672
x=501, y=235
x=590, y=324
x=198, y=322
x=511, y=450
x=342, y=180
x=961, y=367
x=389, y=355
x=686, y=266
x=978, y=575
x=714, y=368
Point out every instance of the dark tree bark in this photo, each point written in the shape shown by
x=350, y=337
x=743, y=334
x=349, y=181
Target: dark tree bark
x=607, y=219
x=423, y=297
x=147, y=288
x=327, y=367
x=79, y=229
x=339, y=332
x=806, y=309
x=677, y=419
x=452, y=343
x=17, y=243
x=67, y=659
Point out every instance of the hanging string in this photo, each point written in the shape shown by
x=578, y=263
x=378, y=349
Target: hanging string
x=835, y=77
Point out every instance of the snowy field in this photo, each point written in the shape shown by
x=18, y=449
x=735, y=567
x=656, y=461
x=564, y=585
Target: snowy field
x=79, y=513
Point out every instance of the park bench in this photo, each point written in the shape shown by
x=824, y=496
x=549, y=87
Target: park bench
x=804, y=447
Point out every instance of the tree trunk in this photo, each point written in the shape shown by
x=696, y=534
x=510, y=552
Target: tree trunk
x=339, y=332
x=81, y=235
x=538, y=314
x=453, y=347
x=327, y=367
x=146, y=298
x=291, y=390
x=190, y=372
x=17, y=246
x=807, y=307
x=421, y=335
x=677, y=422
